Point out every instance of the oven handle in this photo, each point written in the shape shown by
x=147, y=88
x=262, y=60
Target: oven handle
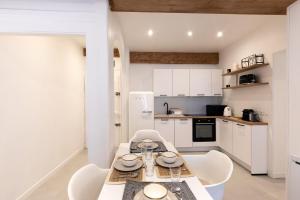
x=204, y=123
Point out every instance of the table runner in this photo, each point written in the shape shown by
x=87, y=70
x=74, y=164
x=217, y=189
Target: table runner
x=133, y=187
x=135, y=149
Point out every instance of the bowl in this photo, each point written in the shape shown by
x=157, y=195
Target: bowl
x=169, y=157
x=129, y=160
x=147, y=142
x=155, y=191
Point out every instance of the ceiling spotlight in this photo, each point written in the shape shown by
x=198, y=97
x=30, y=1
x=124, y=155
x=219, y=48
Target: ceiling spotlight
x=150, y=32
x=220, y=34
x=190, y=33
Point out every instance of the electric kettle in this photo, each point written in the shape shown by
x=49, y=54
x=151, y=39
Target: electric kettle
x=227, y=111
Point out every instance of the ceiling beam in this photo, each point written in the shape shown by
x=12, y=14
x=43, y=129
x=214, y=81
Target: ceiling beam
x=174, y=58
x=116, y=53
x=259, y=7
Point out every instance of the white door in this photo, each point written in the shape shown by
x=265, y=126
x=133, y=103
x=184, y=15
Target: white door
x=165, y=127
x=162, y=82
x=225, y=135
x=216, y=82
x=242, y=142
x=294, y=96
x=183, y=133
x=117, y=99
x=181, y=82
x=200, y=82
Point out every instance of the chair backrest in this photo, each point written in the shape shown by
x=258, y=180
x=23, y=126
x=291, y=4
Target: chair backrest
x=87, y=183
x=214, y=168
x=147, y=134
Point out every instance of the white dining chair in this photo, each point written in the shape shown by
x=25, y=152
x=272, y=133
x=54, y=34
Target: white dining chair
x=87, y=183
x=213, y=169
x=147, y=134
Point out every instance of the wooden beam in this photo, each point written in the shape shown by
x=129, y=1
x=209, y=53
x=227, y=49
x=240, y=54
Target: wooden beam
x=260, y=7
x=116, y=53
x=84, y=51
x=174, y=58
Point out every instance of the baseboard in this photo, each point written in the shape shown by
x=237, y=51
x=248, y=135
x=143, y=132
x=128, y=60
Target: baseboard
x=277, y=175
x=44, y=179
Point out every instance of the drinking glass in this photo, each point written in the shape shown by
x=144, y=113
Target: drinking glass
x=149, y=165
x=148, y=154
x=175, y=173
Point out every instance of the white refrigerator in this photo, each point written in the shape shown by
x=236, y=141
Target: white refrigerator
x=141, y=111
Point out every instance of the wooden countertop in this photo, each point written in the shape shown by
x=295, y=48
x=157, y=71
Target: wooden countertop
x=233, y=119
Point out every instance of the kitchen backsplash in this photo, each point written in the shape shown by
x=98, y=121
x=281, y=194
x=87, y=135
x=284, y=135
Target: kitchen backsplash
x=189, y=105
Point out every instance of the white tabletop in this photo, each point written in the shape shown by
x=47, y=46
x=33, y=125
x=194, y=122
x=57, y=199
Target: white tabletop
x=115, y=192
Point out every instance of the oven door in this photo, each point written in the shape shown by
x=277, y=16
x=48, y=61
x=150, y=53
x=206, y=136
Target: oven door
x=204, y=130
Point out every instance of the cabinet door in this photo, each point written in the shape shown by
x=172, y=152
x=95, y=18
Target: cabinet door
x=225, y=134
x=181, y=82
x=200, y=82
x=162, y=82
x=166, y=129
x=242, y=142
x=216, y=82
x=183, y=133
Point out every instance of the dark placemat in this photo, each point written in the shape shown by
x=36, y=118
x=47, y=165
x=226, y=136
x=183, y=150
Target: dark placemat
x=133, y=187
x=135, y=149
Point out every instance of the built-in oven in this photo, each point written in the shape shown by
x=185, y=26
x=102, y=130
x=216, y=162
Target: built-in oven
x=204, y=130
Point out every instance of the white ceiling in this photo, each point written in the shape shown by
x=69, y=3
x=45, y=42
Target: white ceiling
x=170, y=30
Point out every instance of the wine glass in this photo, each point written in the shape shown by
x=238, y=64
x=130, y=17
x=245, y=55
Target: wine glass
x=175, y=173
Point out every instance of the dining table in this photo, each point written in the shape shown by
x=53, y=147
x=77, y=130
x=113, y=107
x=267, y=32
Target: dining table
x=115, y=191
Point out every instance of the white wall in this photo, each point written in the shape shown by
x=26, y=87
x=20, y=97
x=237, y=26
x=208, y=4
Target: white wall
x=268, y=40
x=42, y=108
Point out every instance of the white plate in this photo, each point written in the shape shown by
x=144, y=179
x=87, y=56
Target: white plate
x=152, y=145
x=140, y=195
x=179, y=161
x=155, y=191
x=119, y=166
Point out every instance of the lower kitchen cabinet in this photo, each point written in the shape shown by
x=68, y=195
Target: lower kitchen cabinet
x=225, y=135
x=165, y=127
x=242, y=142
x=183, y=132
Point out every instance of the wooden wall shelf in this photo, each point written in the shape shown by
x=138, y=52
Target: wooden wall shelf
x=245, y=69
x=245, y=86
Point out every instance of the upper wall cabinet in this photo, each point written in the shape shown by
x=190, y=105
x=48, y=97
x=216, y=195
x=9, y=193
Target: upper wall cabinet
x=181, y=84
x=162, y=82
x=200, y=82
x=216, y=82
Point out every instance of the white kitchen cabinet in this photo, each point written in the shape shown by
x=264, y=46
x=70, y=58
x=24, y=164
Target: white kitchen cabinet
x=165, y=127
x=162, y=82
x=225, y=135
x=216, y=82
x=242, y=142
x=200, y=82
x=183, y=133
x=181, y=82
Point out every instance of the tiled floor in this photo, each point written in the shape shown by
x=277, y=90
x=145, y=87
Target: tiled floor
x=242, y=186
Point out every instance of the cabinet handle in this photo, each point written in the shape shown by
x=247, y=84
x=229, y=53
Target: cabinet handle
x=225, y=121
x=183, y=119
x=147, y=112
x=298, y=163
x=164, y=120
x=218, y=94
x=163, y=95
x=200, y=94
x=240, y=124
x=181, y=95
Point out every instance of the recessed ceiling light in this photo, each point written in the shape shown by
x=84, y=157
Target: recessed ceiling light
x=190, y=33
x=220, y=34
x=150, y=32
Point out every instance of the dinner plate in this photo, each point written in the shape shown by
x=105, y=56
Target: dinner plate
x=179, y=161
x=140, y=196
x=119, y=166
x=152, y=145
